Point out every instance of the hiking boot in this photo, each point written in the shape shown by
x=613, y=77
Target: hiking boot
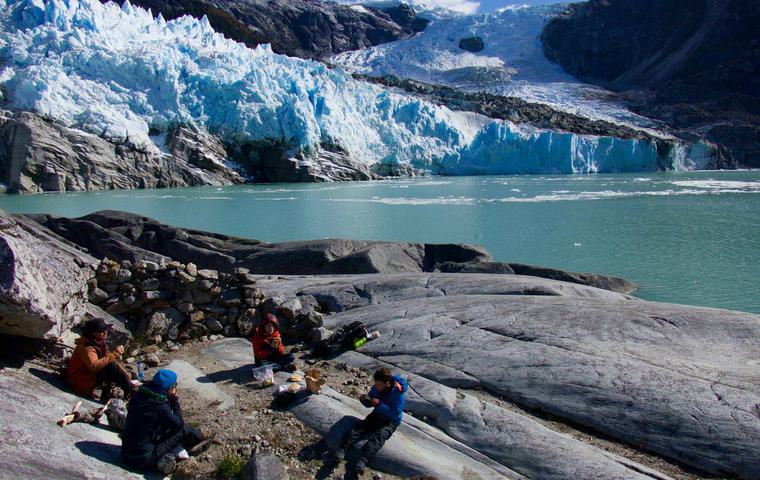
x=361, y=466
x=167, y=464
x=203, y=446
x=339, y=455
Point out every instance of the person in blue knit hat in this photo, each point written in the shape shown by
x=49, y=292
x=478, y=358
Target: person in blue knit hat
x=155, y=433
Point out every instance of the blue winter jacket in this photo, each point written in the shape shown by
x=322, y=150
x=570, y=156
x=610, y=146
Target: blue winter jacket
x=391, y=401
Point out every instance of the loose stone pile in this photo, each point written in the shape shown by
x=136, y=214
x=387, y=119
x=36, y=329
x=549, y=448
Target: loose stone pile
x=178, y=302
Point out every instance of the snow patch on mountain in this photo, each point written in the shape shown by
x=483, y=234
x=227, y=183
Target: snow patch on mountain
x=511, y=64
x=120, y=73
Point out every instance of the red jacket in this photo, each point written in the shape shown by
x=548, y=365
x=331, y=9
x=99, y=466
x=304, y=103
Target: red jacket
x=264, y=346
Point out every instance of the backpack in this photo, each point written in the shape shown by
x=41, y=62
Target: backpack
x=342, y=339
x=117, y=414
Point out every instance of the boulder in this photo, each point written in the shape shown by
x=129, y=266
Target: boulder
x=317, y=335
x=43, y=281
x=264, y=466
x=208, y=274
x=246, y=322
x=214, y=325
x=290, y=308
x=162, y=322
x=471, y=44
x=97, y=296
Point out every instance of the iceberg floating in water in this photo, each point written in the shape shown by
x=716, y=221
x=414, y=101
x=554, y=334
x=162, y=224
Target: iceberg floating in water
x=119, y=72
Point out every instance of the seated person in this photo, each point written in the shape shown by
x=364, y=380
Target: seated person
x=267, y=344
x=93, y=365
x=388, y=397
x=155, y=433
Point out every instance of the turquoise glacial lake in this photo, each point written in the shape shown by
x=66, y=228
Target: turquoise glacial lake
x=690, y=238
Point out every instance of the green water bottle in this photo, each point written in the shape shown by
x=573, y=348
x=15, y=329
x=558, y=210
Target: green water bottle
x=358, y=343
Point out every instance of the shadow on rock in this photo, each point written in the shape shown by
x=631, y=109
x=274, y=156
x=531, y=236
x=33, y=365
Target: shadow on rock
x=110, y=453
x=319, y=451
x=239, y=375
x=324, y=448
x=53, y=378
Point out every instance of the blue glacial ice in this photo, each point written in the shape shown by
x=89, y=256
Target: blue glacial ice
x=119, y=72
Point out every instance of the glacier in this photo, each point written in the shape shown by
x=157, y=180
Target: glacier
x=511, y=64
x=125, y=75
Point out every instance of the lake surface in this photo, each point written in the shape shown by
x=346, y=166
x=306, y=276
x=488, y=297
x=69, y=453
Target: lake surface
x=684, y=237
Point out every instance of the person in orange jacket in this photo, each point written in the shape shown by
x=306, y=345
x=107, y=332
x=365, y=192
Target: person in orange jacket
x=92, y=364
x=267, y=344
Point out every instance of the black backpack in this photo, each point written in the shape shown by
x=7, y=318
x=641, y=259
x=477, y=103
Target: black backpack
x=342, y=339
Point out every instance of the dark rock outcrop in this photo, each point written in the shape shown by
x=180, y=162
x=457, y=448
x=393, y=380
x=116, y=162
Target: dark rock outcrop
x=471, y=44
x=691, y=64
x=298, y=28
x=126, y=236
x=39, y=155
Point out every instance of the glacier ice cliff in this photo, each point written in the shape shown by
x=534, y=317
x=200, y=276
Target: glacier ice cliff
x=124, y=75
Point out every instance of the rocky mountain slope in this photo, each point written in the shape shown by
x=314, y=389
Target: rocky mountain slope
x=298, y=28
x=691, y=64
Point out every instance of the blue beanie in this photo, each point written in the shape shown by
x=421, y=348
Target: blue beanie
x=163, y=380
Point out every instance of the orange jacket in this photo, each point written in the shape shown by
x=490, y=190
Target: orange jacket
x=84, y=365
x=264, y=346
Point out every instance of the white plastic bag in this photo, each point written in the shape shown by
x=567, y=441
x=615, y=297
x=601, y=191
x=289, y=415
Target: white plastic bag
x=263, y=376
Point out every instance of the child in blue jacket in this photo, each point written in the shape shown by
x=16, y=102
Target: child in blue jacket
x=388, y=397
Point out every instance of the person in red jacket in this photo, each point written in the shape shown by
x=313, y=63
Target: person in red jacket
x=267, y=344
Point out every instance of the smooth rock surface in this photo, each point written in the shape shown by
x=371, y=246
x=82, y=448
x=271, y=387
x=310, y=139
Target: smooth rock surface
x=35, y=447
x=190, y=379
x=338, y=293
x=679, y=381
x=513, y=439
x=416, y=449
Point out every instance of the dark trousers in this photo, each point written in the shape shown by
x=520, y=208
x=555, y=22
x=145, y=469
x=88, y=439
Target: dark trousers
x=114, y=373
x=375, y=429
x=186, y=437
x=281, y=359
